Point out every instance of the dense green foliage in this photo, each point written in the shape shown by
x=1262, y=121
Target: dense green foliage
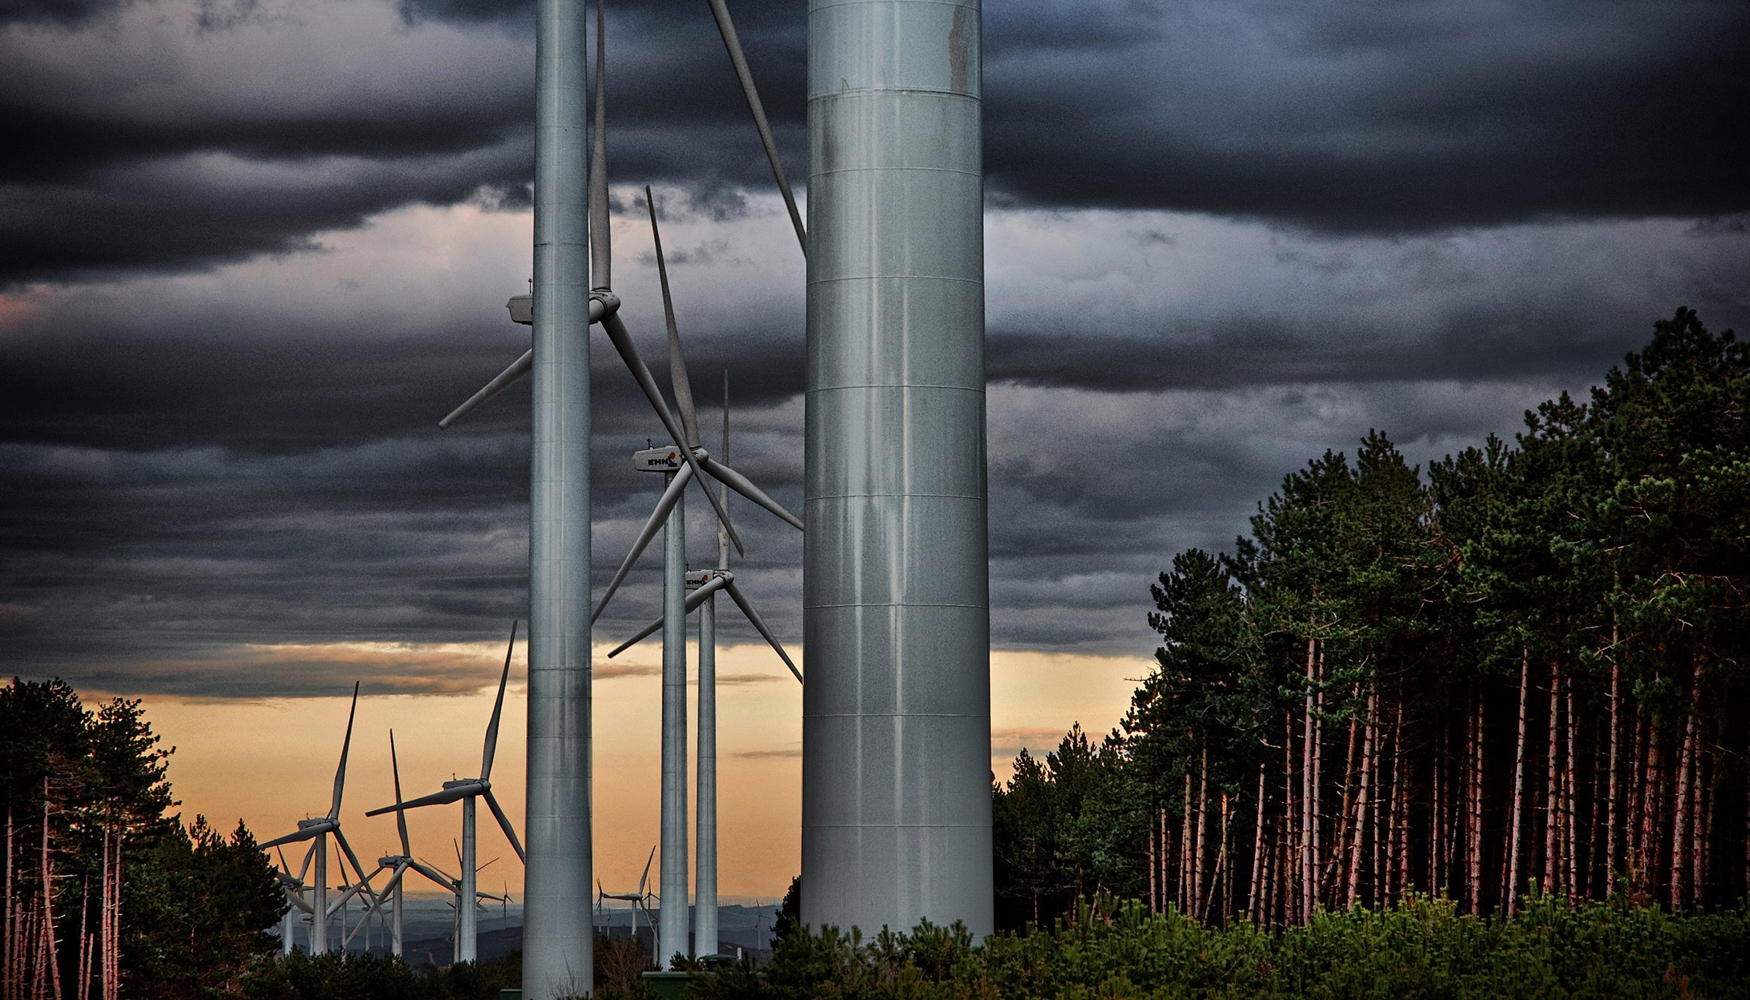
x=618, y=964
x=86, y=807
x=334, y=976
x=1418, y=948
x=1526, y=668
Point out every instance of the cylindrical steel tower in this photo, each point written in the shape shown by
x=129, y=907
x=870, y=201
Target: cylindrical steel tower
x=896, y=711
x=673, y=877
x=705, y=939
x=558, y=941
x=467, y=919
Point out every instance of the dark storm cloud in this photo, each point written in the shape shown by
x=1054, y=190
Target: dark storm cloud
x=195, y=212
x=62, y=12
x=1377, y=118
x=202, y=476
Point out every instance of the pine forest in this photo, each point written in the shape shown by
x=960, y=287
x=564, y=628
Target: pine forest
x=1520, y=672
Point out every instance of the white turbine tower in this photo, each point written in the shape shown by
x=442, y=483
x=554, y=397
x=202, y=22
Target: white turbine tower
x=318, y=830
x=293, y=887
x=400, y=864
x=896, y=807
x=466, y=791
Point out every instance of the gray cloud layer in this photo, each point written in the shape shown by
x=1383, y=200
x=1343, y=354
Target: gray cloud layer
x=212, y=132
x=1224, y=237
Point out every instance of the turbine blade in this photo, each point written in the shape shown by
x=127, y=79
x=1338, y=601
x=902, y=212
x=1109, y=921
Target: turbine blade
x=741, y=484
x=293, y=838
x=677, y=363
x=658, y=518
x=504, y=824
x=300, y=902
x=432, y=874
x=694, y=599
x=340, y=772
x=518, y=368
x=754, y=618
x=358, y=869
x=723, y=454
x=601, y=255
x=726, y=28
x=361, y=888
x=497, y=709
x=622, y=341
x=644, y=878
x=444, y=797
x=308, y=856
x=381, y=898
x=400, y=815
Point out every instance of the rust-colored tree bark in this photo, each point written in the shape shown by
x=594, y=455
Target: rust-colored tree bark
x=1510, y=892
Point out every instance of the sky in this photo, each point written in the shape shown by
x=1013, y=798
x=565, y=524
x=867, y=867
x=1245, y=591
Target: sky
x=251, y=250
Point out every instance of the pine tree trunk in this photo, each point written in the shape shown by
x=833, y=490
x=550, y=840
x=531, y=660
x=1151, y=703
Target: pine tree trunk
x=1346, y=824
x=7, y=924
x=1185, y=890
x=1595, y=868
x=1510, y=898
x=1701, y=842
x=1635, y=818
x=1567, y=795
x=1167, y=855
x=1199, y=892
x=1253, y=909
x=1437, y=816
x=1476, y=810
x=1318, y=783
x=1400, y=822
x=50, y=952
x=1308, y=791
x=1218, y=877
x=1290, y=839
x=84, y=969
x=1651, y=810
x=1153, y=849
x=1551, y=775
x=1610, y=861
x=1373, y=741
x=1356, y=845
x=1680, y=798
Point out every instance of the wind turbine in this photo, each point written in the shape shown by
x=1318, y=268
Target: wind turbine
x=293, y=887
x=669, y=515
x=638, y=900
x=319, y=829
x=560, y=309
x=467, y=790
x=400, y=864
x=703, y=598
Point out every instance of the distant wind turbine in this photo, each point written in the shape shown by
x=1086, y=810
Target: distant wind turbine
x=319, y=829
x=669, y=516
x=466, y=790
x=400, y=864
x=640, y=901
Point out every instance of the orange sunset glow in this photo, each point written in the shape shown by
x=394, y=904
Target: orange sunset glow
x=271, y=761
